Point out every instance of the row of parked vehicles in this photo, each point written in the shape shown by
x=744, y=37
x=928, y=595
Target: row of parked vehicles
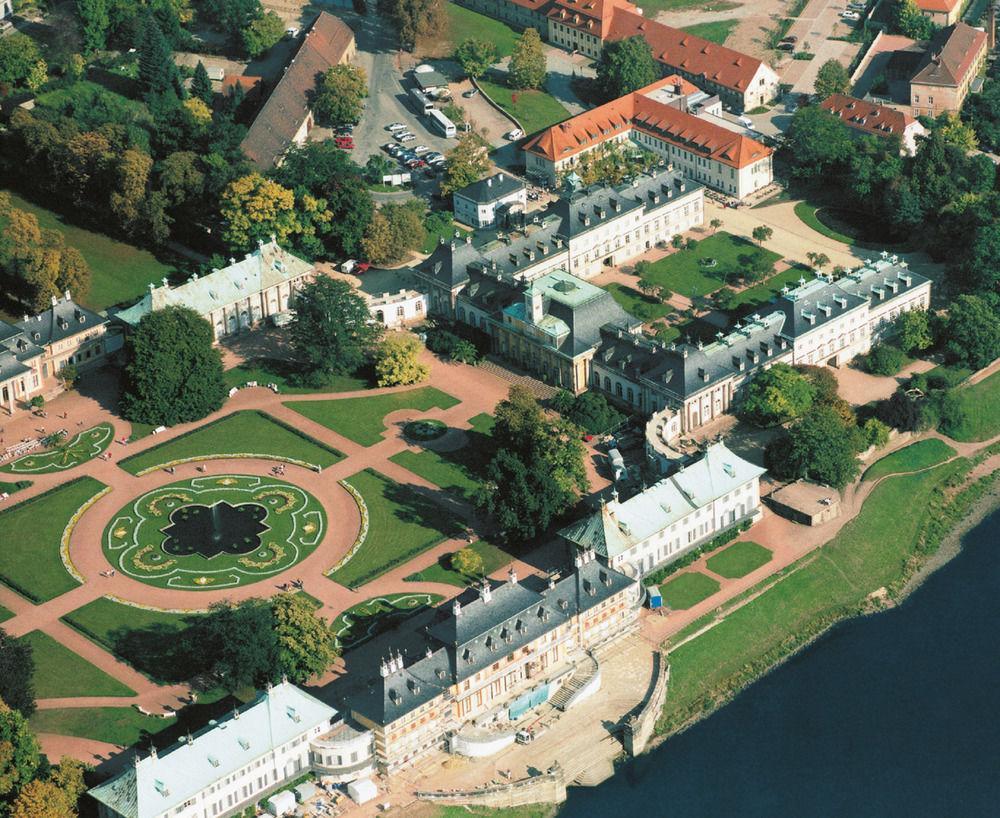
x=412, y=158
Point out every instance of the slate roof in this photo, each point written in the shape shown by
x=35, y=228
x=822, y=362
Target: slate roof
x=271, y=133
x=15, y=351
x=491, y=189
x=473, y=633
x=265, y=267
x=949, y=55
x=868, y=117
x=156, y=784
x=618, y=526
x=640, y=111
x=63, y=319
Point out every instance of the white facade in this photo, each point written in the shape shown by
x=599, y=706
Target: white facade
x=476, y=205
x=6, y=9
x=398, y=309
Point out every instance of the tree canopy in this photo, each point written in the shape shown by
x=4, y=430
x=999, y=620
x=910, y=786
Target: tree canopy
x=339, y=96
x=332, y=331
x=590, y=411
x=777, y=395
x=816, y=142
x=415, y=19
x=262, y=33
x=538, y=474
x=832, y=78
x=20, y=60
x=820, y=446
x=397, y=361
x=527, y=69
x=912, y=331
x=468, y=162
x=20, y=757
x=17, y=670
x=476, y=56
x=625, y=66
x=174, y=374
x=971, y=332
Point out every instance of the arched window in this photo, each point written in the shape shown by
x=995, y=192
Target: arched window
x=607, y=384
x=618, y=389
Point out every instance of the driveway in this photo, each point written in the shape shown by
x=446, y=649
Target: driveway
x=818, y=21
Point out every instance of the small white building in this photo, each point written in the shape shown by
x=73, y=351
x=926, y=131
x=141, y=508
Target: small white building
x=701, y=500
x=483, y=203
x=398, y=309
x=6, y=9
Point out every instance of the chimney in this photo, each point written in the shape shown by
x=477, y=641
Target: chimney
x=485, y=592
x=456, y=608
x=56, y=300
x=512, y=576
x=489, y=182
x=66, y=296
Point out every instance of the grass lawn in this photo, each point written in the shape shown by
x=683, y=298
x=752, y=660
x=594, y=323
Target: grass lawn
x=401, y=524
x=980, y=410
x=533, y=109
x=148, y=640
x=367, y=619
x=684, y=273
x=5, y=614
x=114, y=725
x=466, y=24
x=248, y=432
x=738, y=560
x=439, y=225
x=494, y=558
x=31, y=533
x=687, y=590
x=73, y=451
x=654, y=6
x=360, y=419
x=920, y=455
x=869, y=552
x=762, y=293
x=807, y=213
x=61, y=673
x=642, y=306
x=716, y=32
x=13, y=488
x=121, y=272
x=283, y=375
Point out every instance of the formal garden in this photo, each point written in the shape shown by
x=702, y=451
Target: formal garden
x=64, y=453
x=361, y=419
x=445, y=570
x=214, y=532
x=61, y=673
x=368, y=619
x=289, y=378
x=687, y=590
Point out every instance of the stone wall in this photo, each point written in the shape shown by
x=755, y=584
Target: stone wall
x=639, y=726
x=548, y=788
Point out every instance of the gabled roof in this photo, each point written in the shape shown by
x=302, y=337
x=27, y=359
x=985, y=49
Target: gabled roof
x=618, y=526
x=639, y=111
x=950, y=55
x=272, y=132
x=869, y=117
x=491, y=189
x=157, y=784
x=590, y=16
x=682, y=50
x=943, y=6
x=62, y=320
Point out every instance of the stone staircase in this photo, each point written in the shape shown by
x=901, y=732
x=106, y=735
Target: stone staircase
x=540, y=390
x=563, y=698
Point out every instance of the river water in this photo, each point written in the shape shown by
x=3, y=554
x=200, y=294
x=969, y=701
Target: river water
x=890, y=715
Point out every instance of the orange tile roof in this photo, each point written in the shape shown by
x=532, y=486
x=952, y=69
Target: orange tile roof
x=879, y=120
x=639, y=112
x=694, y=55
x=946, y=6
x=592, y=16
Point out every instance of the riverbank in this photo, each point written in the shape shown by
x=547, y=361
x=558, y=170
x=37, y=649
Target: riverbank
x=873, y=563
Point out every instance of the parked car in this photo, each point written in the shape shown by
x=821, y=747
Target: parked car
x=791, y=38
x=396, y=126
x=405, y=137
x=362, y=267
x=421, y=149
x=850, y=15
x=439, y=163
x=786, y=46
x=434, y=155
x=345, y=143
x=470, y=93
x=517, y=133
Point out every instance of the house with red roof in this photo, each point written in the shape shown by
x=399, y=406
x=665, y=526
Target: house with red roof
x=941, y=12
x=741, y=81
x=869, y=118
x=945, y=71
x=656, y=117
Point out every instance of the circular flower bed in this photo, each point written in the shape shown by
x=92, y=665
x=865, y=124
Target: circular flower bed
x=214, y=532
x=424, y=429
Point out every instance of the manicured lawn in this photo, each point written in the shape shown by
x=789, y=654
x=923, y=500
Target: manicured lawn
x=151, y=641
x=920, y=455
x=688, y=590
x=762, y=293
x=367, y=619
x=30, y=534
x=242, y=433
x=869, y=552
x=360, y=419
x=980, y=410
x=807, y=213
x=5, y=614
x=533, y=109
x=738, y=560
x=466, y=24
x=717, y=31
x=283, y=374
x=121, y=272
x=73, y=451
x=439, y=225
x=13, y=488
x=114, y=725
x=642, y=306
x=494, y=558
x=685, y=273
x=60, y=673
x=401, y=524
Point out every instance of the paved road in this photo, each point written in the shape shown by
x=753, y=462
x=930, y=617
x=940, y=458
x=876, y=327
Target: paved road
x=818, y=21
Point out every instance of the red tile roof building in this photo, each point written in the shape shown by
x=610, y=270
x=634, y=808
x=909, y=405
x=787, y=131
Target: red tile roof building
x=743, y=82
x=286, y=118
x=952, y=59
x=873, y=119
x=710, y=153
x=941, y=12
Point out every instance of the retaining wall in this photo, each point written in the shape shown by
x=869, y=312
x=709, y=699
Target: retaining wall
x=548, y=788
x=639, y=727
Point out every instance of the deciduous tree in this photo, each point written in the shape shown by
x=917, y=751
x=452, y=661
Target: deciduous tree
x=527, y=61
x=416, y=19
x=306, y=643
x=762, y=233
x=820, y=447
x=468, y=162
x=817, y=143
x=253, y=209
x=971, y=332
x=42, y=799
x=19, y=56
x=625, y=66
x=338, y=96
x=912, y=331
x=262, y=33
x=95, y=22
x=332, y=331
x=174, y=373
x=17, y=669
x=467, y=561
x=19, y=754
x=777, y=395
x=832, y=78
x=397, y=361
x=476, y=56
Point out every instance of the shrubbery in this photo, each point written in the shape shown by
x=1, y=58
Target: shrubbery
x=590, y=411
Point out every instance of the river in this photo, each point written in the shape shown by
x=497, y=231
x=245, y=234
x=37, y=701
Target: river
x=890, y=715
